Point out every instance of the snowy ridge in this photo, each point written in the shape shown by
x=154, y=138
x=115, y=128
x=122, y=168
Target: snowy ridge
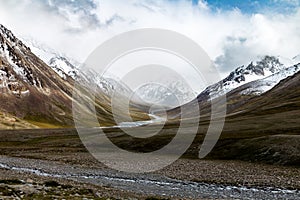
x=66, y=67
x=108, y=84
x=263, y=85
x=63, y=66
x=269, y=69
x=289, y=62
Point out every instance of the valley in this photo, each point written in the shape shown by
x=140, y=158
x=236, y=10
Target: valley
x=42, y=154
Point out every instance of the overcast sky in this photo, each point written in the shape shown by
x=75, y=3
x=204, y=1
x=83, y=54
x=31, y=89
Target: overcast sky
x=232, y=32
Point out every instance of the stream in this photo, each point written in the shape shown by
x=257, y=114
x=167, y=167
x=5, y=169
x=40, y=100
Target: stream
x=148, y=184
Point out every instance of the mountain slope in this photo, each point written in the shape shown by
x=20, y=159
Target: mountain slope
x=284, y=97
x=264, y=128
x=10, y=122
x=263, y=85
x=29, y=88
x=69, y=68
x=62, y=65
x=33, y=91
x=242, y=94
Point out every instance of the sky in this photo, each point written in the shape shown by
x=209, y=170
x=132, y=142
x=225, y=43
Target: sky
x=232, y=32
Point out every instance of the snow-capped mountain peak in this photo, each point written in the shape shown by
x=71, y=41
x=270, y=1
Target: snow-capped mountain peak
x=263, y=68
x=260, y=86
x=264, y=74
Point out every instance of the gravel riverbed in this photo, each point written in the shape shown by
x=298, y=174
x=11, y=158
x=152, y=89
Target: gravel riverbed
x=148, y=184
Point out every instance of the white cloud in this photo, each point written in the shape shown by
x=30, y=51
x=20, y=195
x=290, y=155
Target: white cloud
x=230, y=37
x=264, y=35
x=202, y=4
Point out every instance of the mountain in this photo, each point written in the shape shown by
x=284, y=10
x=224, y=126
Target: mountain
x=60, y=63
x=268, y=66
x=67, y=67
x=253, y=79
x=149, y=94
x=63, y=67
x=241, y=84
x=283, y=98
x=34, y=92
x=264, y=128
x=30, y=90
x=260, y=86
x=168, y=96
x=262, y=121
x=8, y=121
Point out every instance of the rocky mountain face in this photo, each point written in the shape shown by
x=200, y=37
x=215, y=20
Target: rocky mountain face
x=264, y=68
x=253, y=79
x=61, y=64
x=41, y=94
x=263, y=85
x=29, y=88
x=63, y=67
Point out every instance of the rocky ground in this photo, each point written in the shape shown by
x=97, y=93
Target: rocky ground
x=25, y=178
x=29, y=189
x=54, y=165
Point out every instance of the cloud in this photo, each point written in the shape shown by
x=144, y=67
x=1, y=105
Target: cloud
x=202, y=4
x=264, y=35
x=78, y=13
x=231, y=37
